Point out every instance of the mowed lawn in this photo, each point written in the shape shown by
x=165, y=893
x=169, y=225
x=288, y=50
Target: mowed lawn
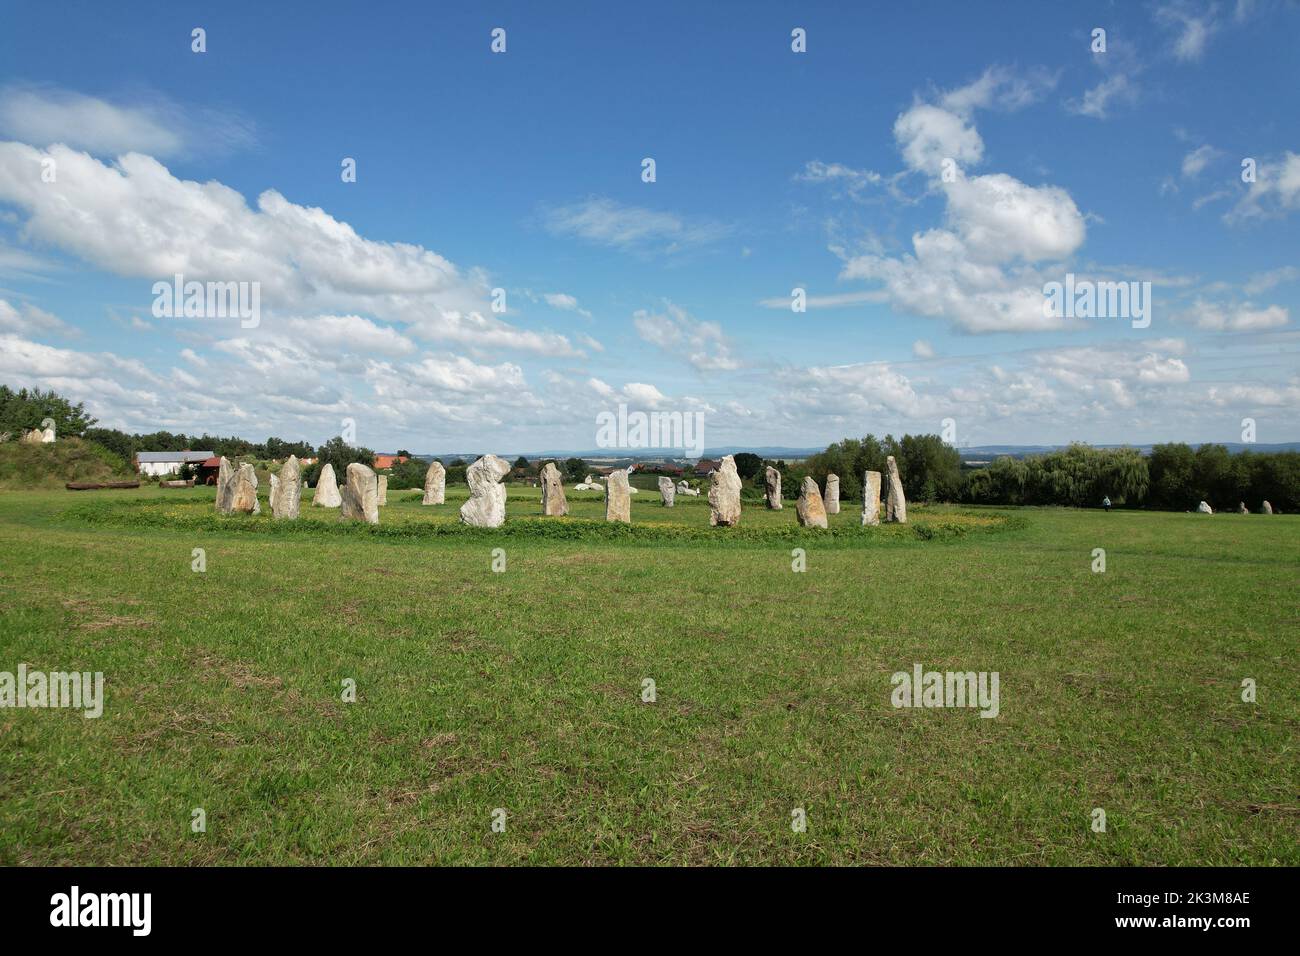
x=522, y=690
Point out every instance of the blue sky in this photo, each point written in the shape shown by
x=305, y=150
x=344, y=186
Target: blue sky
x=774, y=170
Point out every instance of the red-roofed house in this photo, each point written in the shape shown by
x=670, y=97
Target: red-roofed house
x=388, y=461
x=209, y=468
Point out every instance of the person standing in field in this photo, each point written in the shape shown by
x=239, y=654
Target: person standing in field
x=1105, y=502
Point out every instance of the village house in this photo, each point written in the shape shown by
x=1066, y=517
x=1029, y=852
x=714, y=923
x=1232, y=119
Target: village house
x=159, y=463
x=208, y=470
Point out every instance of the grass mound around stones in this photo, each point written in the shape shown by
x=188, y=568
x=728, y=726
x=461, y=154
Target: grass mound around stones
x=405, y=518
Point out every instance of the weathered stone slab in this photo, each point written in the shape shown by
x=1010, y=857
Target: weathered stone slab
x=486, y=507
x=772, y=488
x=667, y=491
x=1266, y=508
x=237, y=489
x=327, y=489
x=435, y=484
x=360, y=495
x=724, y=494
x=225, y=485
x=871, y=498
x=383, y=489
x=243, y=496
x=618, y=497
x=831, y=499
x=1204, y=508
x=809, y=509
x=553, y=500
x=286, y=490
x=896, y=502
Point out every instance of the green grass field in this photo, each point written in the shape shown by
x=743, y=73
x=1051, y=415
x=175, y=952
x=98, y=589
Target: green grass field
x=522, y=690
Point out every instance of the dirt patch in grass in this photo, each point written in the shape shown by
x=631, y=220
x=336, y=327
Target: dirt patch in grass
x=89, y=616
x=247, y=677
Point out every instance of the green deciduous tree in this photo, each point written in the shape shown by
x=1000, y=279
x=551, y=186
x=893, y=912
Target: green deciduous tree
x=28, y=408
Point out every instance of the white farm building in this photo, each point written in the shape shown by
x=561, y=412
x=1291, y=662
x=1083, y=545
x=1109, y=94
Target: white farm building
x=168, y=462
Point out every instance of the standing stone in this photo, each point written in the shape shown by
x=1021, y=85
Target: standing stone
x=225, y=486
x=360, y=495
x=871, y=498
x=327, y=489
x=237, y=489
x=772, y=488
x=553, y=500
x=47, y=435
x=1242, y=509
x=382, y=481
x=667, y=491
x=831, y=500
x=1204, y=508
x=435, y=484
x=724, y=494
x=618, y=497
x=243, y=496
x=33, y=437
x=809, y=509
x=1267, y=508
x=896, y=504
x=286, y=490
x=486, y=507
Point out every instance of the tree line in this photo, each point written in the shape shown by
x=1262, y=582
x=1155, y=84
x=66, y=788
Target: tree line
x=1173, y=477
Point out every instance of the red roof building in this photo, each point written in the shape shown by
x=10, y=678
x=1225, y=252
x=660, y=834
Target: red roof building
x=209, y=468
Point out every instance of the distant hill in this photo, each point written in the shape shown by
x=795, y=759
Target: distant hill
x=629, y=454
x=782, y=451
